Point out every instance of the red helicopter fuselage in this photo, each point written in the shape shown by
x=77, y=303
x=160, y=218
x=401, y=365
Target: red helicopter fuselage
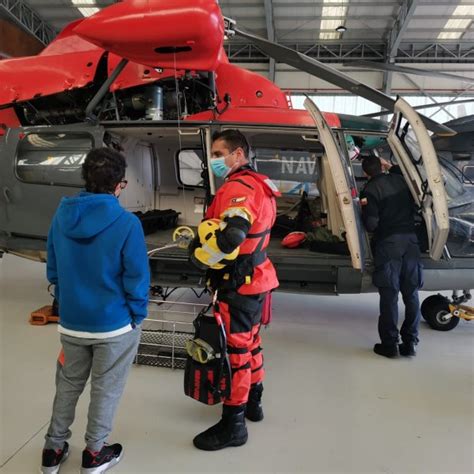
x=162, y=40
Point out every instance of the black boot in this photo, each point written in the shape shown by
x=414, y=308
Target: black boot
x=386, y=350
x=254, y=411
x=407, y=349
x=230, y=431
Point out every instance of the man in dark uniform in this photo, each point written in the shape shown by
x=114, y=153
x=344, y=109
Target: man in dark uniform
x=389, y=212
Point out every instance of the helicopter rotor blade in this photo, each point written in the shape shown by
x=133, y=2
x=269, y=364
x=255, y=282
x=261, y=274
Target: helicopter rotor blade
x=407, y=70
x=419, y=107
x=333, y=76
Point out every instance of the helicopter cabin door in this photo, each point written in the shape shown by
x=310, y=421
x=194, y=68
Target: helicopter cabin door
x=40, y=165
x=416, y=156
x=335, y=160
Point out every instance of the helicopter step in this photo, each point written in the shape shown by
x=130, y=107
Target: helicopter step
x=443, y=314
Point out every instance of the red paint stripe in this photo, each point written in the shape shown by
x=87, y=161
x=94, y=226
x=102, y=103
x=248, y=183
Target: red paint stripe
x=332, y=119
x=197, y=383
x=210, y=397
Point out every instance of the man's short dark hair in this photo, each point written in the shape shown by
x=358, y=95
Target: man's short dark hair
x=234, y=138
x=102, y=170
x=371, y=166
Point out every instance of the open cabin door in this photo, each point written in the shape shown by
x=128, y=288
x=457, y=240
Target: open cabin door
x=40, y=165
x=345, y=201
x=414, y=151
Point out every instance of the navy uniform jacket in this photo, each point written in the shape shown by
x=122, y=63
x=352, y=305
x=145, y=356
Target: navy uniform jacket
x=390, y=208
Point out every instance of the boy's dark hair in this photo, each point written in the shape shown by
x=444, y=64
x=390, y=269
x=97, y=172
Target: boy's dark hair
x=371, y=166
x=102, y=170
x=234, y=138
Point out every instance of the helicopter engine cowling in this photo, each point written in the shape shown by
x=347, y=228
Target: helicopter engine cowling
x=178, y=34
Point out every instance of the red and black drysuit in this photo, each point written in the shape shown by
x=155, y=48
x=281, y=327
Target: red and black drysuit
x=246, y=202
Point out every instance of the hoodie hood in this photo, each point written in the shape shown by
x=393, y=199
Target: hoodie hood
x=87, y=214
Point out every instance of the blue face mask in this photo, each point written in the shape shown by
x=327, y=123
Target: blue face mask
x=219, y=168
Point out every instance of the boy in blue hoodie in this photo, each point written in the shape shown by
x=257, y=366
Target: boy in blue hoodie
x=97, y=260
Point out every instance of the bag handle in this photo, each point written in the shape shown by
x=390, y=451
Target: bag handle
x=216, y=391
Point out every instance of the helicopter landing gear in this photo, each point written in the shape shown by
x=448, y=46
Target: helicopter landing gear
x=443, y=314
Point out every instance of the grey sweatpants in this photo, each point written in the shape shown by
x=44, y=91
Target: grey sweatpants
x=108, y=362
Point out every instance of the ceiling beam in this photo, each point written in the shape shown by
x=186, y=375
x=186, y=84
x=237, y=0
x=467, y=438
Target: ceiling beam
x=407, y=9
x=430, y=97
x=270, y=21
x=26, y=17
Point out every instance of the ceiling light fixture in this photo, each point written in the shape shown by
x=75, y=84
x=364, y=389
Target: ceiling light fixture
x=341, y=29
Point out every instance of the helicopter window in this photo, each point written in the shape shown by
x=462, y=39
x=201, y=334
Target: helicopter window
x=468, y=172
x=53, y=158
x=190, y=168
x=453, y=186
x=293, y=171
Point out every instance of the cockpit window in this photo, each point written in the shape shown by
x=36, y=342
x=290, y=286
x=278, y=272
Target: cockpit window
x=454, y=187
x=460, y=199
x=53, y=158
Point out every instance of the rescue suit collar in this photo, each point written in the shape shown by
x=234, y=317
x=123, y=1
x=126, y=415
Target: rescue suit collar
x=246, y=167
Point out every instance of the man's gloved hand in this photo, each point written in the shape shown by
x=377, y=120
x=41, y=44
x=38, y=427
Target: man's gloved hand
x=208, y=254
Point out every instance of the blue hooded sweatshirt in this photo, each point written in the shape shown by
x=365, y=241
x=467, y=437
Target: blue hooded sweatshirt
x=97, y=259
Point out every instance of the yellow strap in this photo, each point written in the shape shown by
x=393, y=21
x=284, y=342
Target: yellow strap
x=248, y=280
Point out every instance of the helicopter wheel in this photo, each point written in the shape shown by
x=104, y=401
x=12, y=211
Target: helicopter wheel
x=435, y=310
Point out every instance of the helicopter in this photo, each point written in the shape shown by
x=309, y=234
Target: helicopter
x=129, y=78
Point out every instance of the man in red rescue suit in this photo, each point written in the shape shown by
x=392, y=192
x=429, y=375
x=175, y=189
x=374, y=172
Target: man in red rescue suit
x=245, y=208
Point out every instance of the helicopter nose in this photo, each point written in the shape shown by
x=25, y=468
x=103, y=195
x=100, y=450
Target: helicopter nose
x=187, y=34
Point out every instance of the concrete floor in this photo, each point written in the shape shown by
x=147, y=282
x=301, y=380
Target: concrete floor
x=331, y=405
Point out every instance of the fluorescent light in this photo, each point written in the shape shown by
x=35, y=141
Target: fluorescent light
x=457, y=23
x=330, y=24
x=334, y=11
x=464, y=10
x=328, y=35
x=86, y=11
x=450, y=35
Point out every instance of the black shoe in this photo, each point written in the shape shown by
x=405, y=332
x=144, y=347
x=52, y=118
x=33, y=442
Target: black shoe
x=101, y=461
x=53, y=458
x=254, y=410
x=407, y=349
x=230, y=431
x=386, y=350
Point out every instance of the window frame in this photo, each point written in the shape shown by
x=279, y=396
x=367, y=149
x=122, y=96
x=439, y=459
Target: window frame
x=465, y=177
x=178, y=168
x=40, y=183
